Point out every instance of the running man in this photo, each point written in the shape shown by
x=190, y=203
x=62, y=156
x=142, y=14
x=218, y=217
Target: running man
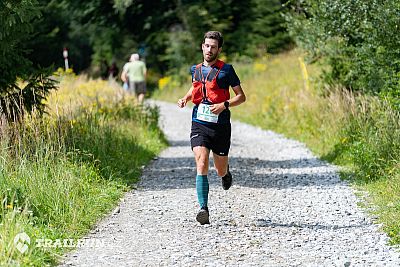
x=211, y=126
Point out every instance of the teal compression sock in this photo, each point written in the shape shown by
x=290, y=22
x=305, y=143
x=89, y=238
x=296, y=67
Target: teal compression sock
x=202, y=190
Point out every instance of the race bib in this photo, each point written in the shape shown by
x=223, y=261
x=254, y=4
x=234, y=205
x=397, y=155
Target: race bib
x=204, y=113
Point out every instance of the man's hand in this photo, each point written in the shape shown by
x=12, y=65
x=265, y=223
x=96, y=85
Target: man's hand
x=123, y=76
x=217, y=108
x=182, y=102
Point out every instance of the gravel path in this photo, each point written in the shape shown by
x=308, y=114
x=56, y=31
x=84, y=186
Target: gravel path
x=286, y=208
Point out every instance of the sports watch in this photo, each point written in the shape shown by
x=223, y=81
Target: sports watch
x=226, y=104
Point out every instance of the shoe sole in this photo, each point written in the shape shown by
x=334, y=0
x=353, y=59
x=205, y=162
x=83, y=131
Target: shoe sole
x=203, y=217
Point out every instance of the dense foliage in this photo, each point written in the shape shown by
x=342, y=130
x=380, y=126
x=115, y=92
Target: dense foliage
x=16, y=18
x=359, y=39
x=167, y=33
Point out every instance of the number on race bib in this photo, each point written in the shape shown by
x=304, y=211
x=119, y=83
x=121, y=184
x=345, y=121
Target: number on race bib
x=204, y=114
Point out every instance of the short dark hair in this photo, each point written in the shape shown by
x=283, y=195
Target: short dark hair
x=214, y=35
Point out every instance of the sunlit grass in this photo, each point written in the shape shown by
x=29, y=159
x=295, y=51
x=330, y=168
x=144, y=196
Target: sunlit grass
x=62, y=172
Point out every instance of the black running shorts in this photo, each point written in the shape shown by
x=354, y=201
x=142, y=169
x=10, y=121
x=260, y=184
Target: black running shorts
x=215, y=137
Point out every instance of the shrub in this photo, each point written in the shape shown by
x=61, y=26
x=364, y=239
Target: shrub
x=358, y=38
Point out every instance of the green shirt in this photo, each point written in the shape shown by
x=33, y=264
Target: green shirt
x=135, y=70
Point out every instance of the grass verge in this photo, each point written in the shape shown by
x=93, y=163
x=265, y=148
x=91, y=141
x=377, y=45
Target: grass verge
x=59, y=174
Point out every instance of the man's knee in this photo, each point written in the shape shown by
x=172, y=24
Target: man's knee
x=201, y=160
x=201, y=155
x=221, y=164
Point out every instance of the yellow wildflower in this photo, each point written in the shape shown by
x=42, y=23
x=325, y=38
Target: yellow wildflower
x=164, y=82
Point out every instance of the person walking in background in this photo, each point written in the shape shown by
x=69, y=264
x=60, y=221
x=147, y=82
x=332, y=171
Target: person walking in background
x=134, y=73
x=211, y=127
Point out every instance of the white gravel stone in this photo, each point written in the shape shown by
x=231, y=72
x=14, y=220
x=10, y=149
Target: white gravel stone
x=285, y=208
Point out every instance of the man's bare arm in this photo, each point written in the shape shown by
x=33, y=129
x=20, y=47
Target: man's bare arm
x=123, y=76
x=182, y=101
x=238, y=99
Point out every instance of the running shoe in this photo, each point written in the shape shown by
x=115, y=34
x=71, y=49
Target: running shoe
x=203, y=216
x=227, y=180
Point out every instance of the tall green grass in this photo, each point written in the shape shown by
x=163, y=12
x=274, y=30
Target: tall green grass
x=61, y=173
x=360, y=133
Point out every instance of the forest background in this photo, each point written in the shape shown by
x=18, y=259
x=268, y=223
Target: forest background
x=167, y=34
